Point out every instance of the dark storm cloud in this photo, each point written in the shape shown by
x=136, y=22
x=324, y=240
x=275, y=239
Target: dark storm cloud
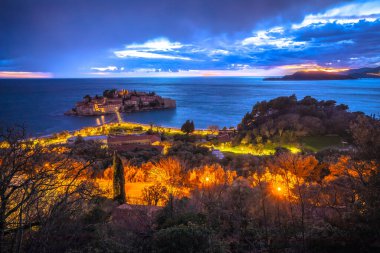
x=324, y=44
x=331, y=44
x=71, y=36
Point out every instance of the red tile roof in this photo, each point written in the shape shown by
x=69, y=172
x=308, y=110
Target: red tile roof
x=115, y=139
x=134, y=147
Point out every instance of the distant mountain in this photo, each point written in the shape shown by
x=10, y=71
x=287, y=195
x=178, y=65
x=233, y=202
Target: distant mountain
x=311, y=75
x=364, y=72
x=323, y=75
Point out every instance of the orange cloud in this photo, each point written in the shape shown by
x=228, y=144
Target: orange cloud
x=312, y=67
x=18, y=74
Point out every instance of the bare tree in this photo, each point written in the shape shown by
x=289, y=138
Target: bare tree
x=301, y=167
x=213, y=128
x=153, y=194
x=35, y=181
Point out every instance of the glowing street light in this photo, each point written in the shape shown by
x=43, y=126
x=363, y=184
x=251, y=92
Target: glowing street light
x=278, y=190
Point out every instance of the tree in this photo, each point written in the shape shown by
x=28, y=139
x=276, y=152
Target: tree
x=169, y=173
x=37, y=184
x=301, y=167
x=211, y=175
x=186, y=238
x=213, y=128
x=188, y=127
x=109, y=93
x=118, y=180
x=79, y=139
x=153, y=194
x=366, y=135
x=87, y=98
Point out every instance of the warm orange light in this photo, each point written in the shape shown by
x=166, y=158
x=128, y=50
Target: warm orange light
x=209, y=73
x=207, y=179
x=19, y=74
x=277, y=189
x=312, y=67
x=330, y=70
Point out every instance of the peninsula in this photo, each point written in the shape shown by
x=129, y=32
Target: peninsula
x=311, y=75
x=114, y=101
x=324, y=75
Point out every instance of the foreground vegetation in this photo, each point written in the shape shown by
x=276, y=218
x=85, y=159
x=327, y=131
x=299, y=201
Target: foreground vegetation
x=70, y=198
x=114, y=128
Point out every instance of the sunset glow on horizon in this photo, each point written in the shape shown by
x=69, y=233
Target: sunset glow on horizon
x=15, y=74
x=313, y=67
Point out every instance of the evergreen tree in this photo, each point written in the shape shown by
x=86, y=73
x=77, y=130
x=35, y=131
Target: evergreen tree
x=87, y=98
x=118, y=180
x=188, y=127
x=192, y=127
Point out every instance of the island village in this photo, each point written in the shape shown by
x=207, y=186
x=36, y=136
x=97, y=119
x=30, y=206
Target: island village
x=114, y=101
x=129, y=136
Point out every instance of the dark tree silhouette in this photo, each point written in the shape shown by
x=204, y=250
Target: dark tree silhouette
x=188, y=127
x=37, y=185
x=87, y=98
x=118, y=180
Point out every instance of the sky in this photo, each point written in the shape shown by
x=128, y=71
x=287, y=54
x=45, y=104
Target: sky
x=127, y=38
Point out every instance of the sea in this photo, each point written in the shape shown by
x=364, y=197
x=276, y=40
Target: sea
x=39, y=104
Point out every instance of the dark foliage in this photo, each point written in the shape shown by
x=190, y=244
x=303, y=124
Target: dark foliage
x=109, y=93
x=188, y=127
x=190, y=154
x=118, y=180
x=284, y=119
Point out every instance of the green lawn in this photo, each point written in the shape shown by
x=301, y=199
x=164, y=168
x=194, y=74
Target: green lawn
x=317, y=143
x=267, y=150
x=314, y=143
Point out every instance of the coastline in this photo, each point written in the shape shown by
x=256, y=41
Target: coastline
x=114, y=101
x=62, y=136
x=201, y=100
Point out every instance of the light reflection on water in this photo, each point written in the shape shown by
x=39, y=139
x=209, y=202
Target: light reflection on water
x=40, y=104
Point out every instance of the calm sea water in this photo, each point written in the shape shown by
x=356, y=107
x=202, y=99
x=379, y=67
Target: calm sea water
x=39, y=104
